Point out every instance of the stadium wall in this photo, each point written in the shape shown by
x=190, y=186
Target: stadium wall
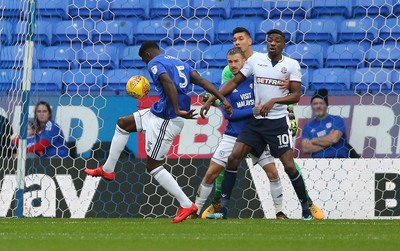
x=344, y=188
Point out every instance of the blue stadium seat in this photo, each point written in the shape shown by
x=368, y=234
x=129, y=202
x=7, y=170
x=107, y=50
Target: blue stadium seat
x=12, y=8
x=260, y=48
x=210, y=8
x=296, y=9
x=396, y=7
x=317, y=30
x=13, y=56
x=213, y=75
x=387, y=55
x=115, y=80
x=62, y=57
x=390, y=31
x=249, y=8
x=99, y=56
x=331, y=79
x=331, y=8
x=42, y=34
x=225, y=27
x=116, y=31
x=130, y=58
x=170, y=8
x=130, y=8
x=287, y=26
x=53, y=8
x=358, y=30
x=73, y=30
x=215, y=55
x=82, y=80
x=372, y=79
x=156, y=29
x=90, y=8
x=371, y=8
x=5, y=34
x=305, y=79
x=308, y=55
x=345, y=55
x=46, y=80
x=396, y=80
x=188, y=53
x=10, y=78
x=195, y=30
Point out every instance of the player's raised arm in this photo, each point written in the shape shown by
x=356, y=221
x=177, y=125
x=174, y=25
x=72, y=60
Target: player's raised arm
x=196, y=79
x=172, y=94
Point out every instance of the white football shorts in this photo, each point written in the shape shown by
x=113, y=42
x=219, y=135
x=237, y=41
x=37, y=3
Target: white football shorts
x=159, y=133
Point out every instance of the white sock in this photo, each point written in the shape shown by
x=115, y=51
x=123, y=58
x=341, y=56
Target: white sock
x=118, y=144
x=169, y=183
x=276, y=193
x=202, y=195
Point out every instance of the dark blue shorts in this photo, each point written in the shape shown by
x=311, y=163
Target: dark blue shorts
x=276, y=133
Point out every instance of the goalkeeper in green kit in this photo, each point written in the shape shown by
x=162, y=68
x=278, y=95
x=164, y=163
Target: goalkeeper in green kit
x=242, y=40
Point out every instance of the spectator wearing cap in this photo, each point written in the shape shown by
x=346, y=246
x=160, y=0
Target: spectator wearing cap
x=325, y=135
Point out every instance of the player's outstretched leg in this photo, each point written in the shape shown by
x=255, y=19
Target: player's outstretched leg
x=124, y=127
x=316, y=212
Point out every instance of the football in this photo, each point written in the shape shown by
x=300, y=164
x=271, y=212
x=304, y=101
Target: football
x=138, y=87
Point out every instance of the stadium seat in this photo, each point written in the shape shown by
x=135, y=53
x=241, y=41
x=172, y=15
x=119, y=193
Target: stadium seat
x=317, y=30
x=46, y=80
x=61, y=57
x=42, y=34
x=308, y=55
x=130, y=58
x=371, y=8
x=170, y=8
x=116, y=31
x=331, y=8
x=287, y=26
x=372, y=79
x=396, y=7
x=215, y=55
x=345, y=55
x=358, y=30
x=10, y=78
x=224, y=28
x=195, y=30
x=249, y=8
x=260, y=48
x=390, y=30
x=188, y=53
x=115, y=80
x=94, y=9
x=130, y=8
x=12, y=8
x=396, y=80
x=13, y=56
x=156, y=29
x=387, y=55
x=213, y=75
x=73, y=30
x=305, y=79
x=53, y=8
x=99, y=56
x=5, y=34
x=296, y=9
x=210, y=8
x=331, y=79
x=82, y=80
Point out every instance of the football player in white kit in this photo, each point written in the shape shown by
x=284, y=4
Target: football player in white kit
x=270, y=124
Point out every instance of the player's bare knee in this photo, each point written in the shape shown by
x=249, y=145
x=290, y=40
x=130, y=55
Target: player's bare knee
x=271, y=171
x=127, y=123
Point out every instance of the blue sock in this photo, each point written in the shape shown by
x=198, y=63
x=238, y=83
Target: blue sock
x=226, y=189
x=300, y=189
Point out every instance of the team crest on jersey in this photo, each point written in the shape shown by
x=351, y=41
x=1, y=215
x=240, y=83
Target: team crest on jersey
x=154, y=69
x=283, y=70
x=328, y=125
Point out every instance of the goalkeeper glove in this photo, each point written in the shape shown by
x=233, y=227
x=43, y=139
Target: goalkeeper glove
x=216, y=103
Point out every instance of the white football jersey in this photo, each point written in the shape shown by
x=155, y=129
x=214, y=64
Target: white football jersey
x=267, y=80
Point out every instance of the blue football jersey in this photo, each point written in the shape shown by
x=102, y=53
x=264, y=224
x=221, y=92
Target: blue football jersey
x=242, y=101
x=52, y=132
x=180, y=73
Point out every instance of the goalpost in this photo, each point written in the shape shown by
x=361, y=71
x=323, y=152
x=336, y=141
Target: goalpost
x=82, y=52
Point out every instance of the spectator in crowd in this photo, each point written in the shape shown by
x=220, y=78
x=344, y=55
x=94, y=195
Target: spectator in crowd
x=6, y=131
x=325, y=135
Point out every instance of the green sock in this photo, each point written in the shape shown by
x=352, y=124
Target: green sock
x=218, y=184
x=310, y=202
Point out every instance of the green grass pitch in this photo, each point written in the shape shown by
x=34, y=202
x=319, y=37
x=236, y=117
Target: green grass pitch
x=231, y=234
